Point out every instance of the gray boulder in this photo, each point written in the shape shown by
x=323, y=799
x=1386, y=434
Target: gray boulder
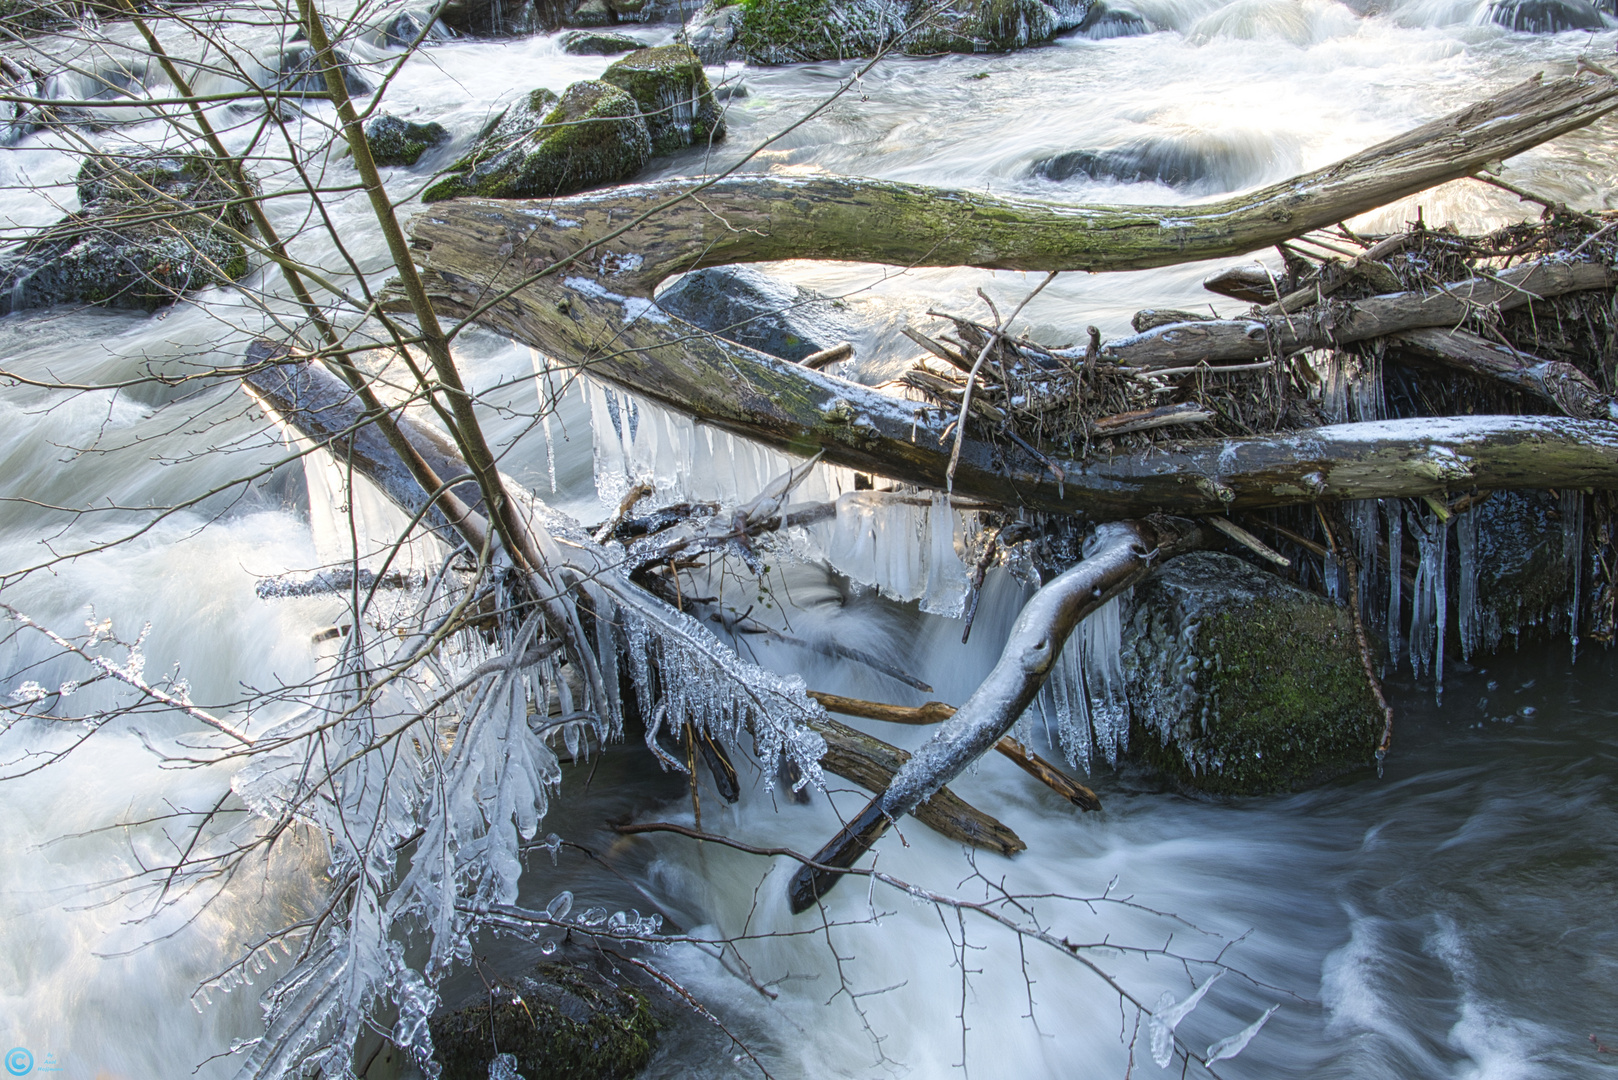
x=542, y=146
x=1242, y=684
x=765, y=313
x=595, y=43
x=124, y=247
x=672, y=92
x=297, y=72
x=401, y=142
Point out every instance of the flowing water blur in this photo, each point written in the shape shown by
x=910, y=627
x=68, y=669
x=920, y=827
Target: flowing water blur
x=1451, y=918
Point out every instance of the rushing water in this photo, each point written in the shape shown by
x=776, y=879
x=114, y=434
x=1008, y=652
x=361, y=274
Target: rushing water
x=1451, y=918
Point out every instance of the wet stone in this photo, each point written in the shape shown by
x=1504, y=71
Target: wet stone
x=1242, y=684
x=592, y=43
x=1524, y=576
x=1546, y=16
x=562, y=1022
x=765, y=313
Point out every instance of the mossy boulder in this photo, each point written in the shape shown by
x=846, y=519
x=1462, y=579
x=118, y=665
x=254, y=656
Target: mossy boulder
x=672, y=92
x=543, y=146
x=790, y=31
x=150, y=228
x=400, y=142
x=595, y=43
x=1241, y=684
x=562, y=1023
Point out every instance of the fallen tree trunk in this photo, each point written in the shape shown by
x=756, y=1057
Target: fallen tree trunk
x=1123, y=553
x=1217, y=340
x=661, y=230
x=1552, y=382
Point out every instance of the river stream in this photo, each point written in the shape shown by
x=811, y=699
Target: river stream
x=1450, y=918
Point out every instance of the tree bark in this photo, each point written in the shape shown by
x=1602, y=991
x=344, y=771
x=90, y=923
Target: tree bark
x=1214, y=341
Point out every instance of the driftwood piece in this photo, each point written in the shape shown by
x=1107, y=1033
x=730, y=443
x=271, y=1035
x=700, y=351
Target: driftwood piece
x=1186, y=412
x=1122, y=554
x=872, y=764
x=1331, y=324
x=1550, y=381
x=1249, y=283
x=936, y=712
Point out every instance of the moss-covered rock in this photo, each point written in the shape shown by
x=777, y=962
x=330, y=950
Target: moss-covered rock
x=150, y=228
x=789, y=31
x=1242, y=684
x=563, y=1023
x=673, y=94
x=543, y=146
x=595, y=43
x=400, y=142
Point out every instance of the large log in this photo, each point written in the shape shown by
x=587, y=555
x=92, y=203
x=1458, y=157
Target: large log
x=1221, y=340
x=665, y=228
x=1552, y=382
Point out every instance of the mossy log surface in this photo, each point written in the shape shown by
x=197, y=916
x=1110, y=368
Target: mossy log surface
x=496, y=262
x=754, y=218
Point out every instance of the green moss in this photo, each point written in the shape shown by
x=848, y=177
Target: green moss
x=594, y=135
x=1260, y=686
x=398, y=142
x=562, y=1024
x=672, y=92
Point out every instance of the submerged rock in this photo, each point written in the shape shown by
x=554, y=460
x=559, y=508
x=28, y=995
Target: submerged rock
x=543, y=146
x=673, y=95
x=1546, y=16
x=124, y=248
x=1215, y=162
x=298, y=73
x=407, y=27
x=562, y=1023
x=1242, y=684
x=1524, y=570
x=401, y=142
x=753, y=309
x=591, y=43
x=791, y=31
x=1104, y=21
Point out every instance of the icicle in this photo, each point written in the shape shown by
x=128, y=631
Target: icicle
x=1331, y=577
x=1395, y=515
x=1421, y=600
x=1466, y=543
x=1573, y=551
x=1440, y=606
x=946, y=574
x=1162, y=1022
x=545, y=388
x=1101, y=640
x=1229, y=1048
